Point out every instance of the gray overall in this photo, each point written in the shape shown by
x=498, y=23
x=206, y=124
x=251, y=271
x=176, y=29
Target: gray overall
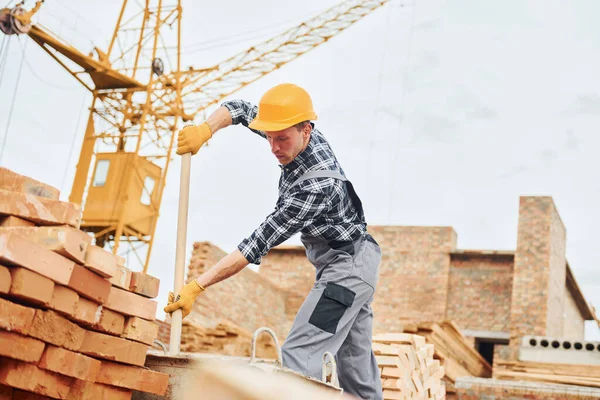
x=336, y=316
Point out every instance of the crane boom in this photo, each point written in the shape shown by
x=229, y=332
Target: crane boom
x=137, y=105
x=203, y=88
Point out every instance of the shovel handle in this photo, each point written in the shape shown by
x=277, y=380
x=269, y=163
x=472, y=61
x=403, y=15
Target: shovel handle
x=182, y=218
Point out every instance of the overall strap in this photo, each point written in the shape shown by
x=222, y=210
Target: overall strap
x=322, y=173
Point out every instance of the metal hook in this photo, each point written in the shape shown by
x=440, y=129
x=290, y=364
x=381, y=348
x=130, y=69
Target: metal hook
x=274, y=336
x=161, y=344
x=329, y=369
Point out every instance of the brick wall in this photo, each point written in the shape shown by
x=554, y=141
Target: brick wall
x=480, y=291
x=413, y=275
x=574, y=325
x=558, y=277
x=415, y=238
x=422, y=278
x=246, y=299
x=539, y=268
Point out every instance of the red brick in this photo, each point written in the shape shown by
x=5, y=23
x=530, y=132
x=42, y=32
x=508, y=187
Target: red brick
x=12, y=181
x=144, y=284
x=19, y=347
x=113, y=348
x=131, y=304
x=68, y=363
x=10, y=221
x=28, y=377
x=23, y=395
x=87, y=312
x=15, y=318
x=30, y=286
x=5, y=392
x=40, y=210
x=5, y=279
x=64, y=300
x=16, y=250
x=135, y=378
x=122, y=277
x=102, y=262
x=110, y=322
x=82, y=390
x=140, y=330
x=64, y=240
x=52, y=328
x=89, y=285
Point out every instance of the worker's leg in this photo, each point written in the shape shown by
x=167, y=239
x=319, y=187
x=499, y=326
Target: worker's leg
x=357, y=368
x=323, y=322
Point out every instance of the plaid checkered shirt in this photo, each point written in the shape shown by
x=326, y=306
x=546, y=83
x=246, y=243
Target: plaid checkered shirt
x=318, y=207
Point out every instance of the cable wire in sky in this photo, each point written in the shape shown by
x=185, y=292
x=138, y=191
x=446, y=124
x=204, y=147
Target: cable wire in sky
x=12, y=104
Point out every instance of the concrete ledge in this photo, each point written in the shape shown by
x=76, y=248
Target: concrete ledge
x=559, y=351
x=467, y=383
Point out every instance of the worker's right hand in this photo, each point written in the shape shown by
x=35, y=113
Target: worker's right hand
x=185, y=299
x=191, y=138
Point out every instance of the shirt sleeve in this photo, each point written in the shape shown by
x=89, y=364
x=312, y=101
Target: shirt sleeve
x=243, y=112
x=293, y=213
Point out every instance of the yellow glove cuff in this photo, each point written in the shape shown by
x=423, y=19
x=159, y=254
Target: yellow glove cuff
x=204, y=131
x=200, y=288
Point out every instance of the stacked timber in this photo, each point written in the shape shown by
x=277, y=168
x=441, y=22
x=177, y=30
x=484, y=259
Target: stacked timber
x=75, y=323
x=454, y=351
x=408, y=369
x=569, y=374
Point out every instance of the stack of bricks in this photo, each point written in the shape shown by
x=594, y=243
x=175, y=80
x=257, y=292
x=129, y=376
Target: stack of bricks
x=266, y=308
x=408, y=369
x=75, y=323
x=225, y=338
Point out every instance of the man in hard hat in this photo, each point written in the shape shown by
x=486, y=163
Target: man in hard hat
x=316, y=199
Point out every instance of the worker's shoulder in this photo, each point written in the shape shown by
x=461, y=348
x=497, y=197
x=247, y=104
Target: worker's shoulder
x=319, y=184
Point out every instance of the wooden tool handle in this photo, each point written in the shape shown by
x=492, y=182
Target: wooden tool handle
x=182, y=218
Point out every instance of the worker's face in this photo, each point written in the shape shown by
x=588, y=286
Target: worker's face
x=288, y=143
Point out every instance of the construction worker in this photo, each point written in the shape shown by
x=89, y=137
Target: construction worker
x=316, y=199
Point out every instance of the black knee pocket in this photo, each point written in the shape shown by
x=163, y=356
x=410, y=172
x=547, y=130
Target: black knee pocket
x=331, y=306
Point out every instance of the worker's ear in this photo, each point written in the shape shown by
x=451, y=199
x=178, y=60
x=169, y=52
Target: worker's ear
x=306, y=129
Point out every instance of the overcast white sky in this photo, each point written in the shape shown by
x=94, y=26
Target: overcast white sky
x=442, y=113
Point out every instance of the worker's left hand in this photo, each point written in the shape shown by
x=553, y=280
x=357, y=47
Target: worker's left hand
x=185, y=299
x=191, y=138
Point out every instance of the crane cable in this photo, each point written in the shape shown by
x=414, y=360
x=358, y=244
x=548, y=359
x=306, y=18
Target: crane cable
x=371, y=143
x=12, y=104
x=401, y=103
x=73, y=141
x=4, y=55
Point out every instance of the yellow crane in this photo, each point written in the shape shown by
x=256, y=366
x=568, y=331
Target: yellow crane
x=141, y=95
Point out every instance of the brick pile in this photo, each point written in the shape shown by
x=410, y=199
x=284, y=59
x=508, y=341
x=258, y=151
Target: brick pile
x=408, y=369
x=75, y=323
x=226, y=338
x=267, y=305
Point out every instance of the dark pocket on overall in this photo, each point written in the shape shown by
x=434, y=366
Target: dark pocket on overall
x=331, y=306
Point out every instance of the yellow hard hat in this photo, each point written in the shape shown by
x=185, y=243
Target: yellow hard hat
x=283, y=106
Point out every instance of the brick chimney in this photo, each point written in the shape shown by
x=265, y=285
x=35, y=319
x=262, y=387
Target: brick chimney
x=538, y=299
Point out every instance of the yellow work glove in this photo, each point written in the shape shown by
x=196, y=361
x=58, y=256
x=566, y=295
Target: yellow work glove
x=192, y=137
x=185, y=299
